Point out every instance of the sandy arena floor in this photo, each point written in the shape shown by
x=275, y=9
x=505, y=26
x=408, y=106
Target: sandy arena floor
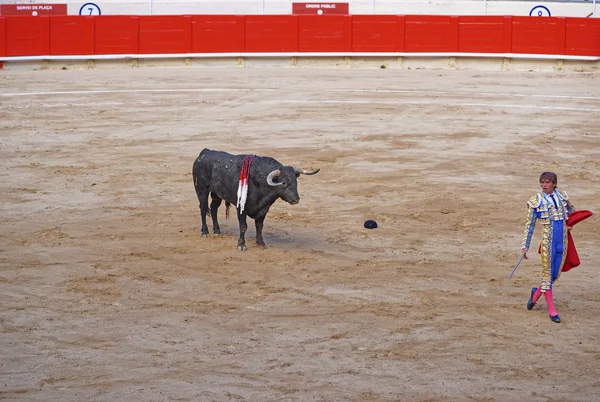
x=109, y=291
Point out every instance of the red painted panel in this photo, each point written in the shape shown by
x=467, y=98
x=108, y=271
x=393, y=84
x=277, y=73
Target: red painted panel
x=328, y=33
x=33, y=9
x=402, y=31
x=376, y=33
x=537, y=35
x=116, y=34
x=431, y=33
x=217, y=33
x=2, y=37
x=582, y=36
x=71, y=35
x=481, y=35
x=165, y=34
x=27, y=36
x=271, y=33
x=507, y=37
x=320, y=8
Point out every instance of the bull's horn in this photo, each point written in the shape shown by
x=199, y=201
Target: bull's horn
x=271, y=176
x=304, y=171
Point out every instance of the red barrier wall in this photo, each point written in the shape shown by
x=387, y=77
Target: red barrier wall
x=81, y=35
x=27, y=36
x=582, y=36
x=71, y=35
x=271, y=33
x=217, y=33
x=532, y=35
x=377, y=33
x=431, y=33
x=165, y=34
x=117, y=35
x=492, y=37
x=316, y=34
x=2, y=37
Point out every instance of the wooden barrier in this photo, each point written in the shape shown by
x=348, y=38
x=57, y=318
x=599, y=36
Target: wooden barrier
x=377, y=33
x=272, y=33
x=71, y=35
x=97, y=35
x=165, y=34
x=2, y=36
x=218, y=33
x=27, y=36
x=117, y=35
x=583, y=36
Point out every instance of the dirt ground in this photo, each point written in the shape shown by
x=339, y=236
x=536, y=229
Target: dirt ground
x=109, y=291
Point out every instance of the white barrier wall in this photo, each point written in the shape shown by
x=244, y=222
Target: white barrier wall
x=433, y=7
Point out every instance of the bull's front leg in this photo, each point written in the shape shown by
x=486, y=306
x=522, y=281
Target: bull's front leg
x=258, y=222
x=243, y=228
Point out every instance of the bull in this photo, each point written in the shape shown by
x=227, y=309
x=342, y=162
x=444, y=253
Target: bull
x=218, y=173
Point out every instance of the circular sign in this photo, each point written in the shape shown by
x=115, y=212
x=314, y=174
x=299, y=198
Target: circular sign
x=89, y=9
x=540, y=11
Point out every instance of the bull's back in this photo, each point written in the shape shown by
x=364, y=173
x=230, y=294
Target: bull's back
x=219, y=171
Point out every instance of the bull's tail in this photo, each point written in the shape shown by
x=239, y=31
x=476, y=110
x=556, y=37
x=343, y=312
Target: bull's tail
x=195, y=174
x=227, y=205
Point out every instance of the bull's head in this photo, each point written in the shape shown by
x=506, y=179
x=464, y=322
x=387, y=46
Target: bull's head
x=285, y=180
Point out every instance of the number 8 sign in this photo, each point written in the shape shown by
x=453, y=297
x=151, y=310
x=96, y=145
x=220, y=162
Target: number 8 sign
x=89, y=9
x=540, y=11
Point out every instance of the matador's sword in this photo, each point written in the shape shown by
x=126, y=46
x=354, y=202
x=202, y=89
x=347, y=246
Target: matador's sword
x=516, y=266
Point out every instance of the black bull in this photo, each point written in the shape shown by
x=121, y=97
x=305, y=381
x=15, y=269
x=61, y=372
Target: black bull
x=218, y=173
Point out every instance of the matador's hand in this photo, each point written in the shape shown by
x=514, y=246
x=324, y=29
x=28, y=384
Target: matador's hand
x=524, y=251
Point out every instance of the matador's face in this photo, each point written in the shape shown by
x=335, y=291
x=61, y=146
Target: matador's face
x=547, y=186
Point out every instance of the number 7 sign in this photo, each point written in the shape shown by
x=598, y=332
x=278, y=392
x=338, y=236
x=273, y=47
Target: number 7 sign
x=90, y=9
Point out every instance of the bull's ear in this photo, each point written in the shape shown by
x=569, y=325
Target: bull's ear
x=297, y=174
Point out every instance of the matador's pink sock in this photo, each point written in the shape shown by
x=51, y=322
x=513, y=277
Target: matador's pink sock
x=550, y=303
x=537, y=294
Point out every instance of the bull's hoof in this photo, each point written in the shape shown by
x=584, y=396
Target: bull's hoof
x=242, y=248
x=204, y=234
x=217, y=234
x=262, y=246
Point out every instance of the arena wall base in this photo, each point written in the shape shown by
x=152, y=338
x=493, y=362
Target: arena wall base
x=479, y=63
x=375, y=62
x=217, y=62
x=115, y=64
x=321, y=62
x=530, y=65
x=24, y=65
x=483, y=63
x=580, y=65
x=266, y=62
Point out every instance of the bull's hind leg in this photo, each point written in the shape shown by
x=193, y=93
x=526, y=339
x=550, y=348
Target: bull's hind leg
x=214, y=206
x=243, y=228
x=203, y=198
x=202, y=190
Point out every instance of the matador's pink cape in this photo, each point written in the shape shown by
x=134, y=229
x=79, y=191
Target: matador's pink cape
x=572, y=258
